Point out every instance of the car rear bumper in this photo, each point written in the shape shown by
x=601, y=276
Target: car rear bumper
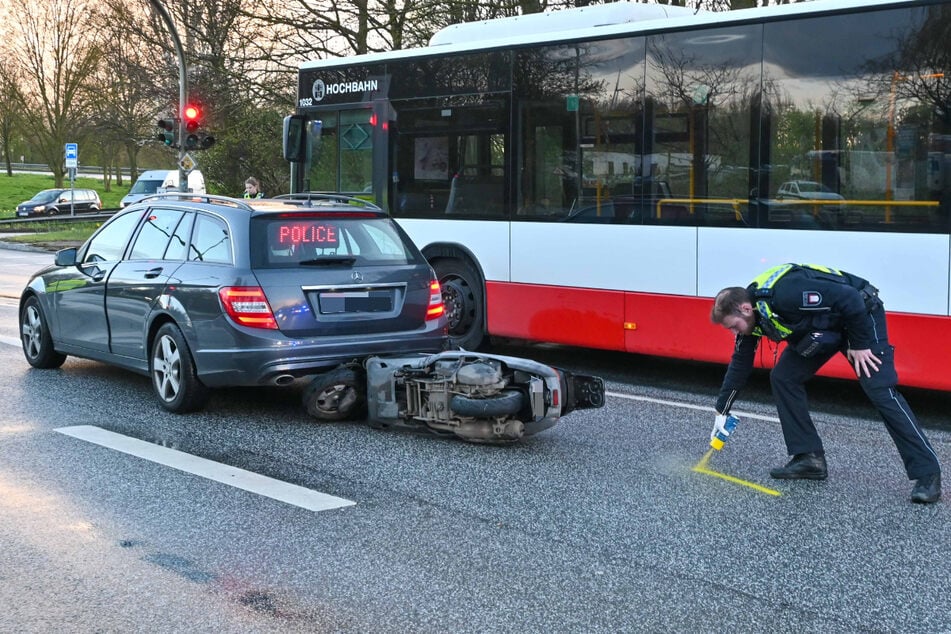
x=275, y=365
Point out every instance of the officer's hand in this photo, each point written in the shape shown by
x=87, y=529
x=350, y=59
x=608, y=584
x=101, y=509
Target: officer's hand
x=719, y=425
x=864, y=362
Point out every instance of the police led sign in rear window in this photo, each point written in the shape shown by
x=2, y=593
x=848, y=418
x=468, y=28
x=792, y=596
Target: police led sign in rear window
x=297, y=233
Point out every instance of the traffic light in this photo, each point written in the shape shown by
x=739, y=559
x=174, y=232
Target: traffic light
x=169, y=133
x=195, y=137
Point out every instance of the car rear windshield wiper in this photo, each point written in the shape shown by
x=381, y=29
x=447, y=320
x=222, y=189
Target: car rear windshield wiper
x=328, y=261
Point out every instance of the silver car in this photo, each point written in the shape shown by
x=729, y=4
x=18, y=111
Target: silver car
x=203, y=291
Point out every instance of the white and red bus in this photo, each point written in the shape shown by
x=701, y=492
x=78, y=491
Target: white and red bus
x=592, y=177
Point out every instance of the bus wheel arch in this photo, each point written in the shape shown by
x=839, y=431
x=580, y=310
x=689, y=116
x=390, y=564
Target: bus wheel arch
x=463, y=293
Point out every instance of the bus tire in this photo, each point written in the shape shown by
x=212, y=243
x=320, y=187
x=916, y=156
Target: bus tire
x=464, y=297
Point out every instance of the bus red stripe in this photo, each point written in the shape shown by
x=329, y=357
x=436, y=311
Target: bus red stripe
x=676, y=326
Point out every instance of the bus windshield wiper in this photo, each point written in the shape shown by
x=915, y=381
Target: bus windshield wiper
x=328, y=261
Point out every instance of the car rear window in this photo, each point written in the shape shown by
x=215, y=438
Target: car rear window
x=292, y=240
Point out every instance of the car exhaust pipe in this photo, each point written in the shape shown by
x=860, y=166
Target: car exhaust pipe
x=283, y=379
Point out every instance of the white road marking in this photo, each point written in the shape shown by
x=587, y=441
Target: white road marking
x=701, y=408
x=232, y=476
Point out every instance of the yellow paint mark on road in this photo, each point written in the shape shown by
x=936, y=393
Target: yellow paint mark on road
x=701, y=467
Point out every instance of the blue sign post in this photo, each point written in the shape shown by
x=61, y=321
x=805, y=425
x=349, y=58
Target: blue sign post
x=72, y=154
x=72, y=162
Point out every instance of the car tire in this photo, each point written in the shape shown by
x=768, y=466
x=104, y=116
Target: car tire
x=464, y=299
x=174, y=377
x=505, y=404
x=36, y=339
x=340, y=394
x=53, y=211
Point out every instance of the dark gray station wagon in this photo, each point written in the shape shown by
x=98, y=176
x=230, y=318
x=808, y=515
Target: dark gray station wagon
x=207, y=291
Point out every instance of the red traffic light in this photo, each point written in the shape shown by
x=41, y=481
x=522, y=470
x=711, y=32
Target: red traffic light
x=192, y=116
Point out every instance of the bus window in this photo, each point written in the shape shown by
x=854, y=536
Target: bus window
x=863, y=129
x=701, y=92
x=450, y=157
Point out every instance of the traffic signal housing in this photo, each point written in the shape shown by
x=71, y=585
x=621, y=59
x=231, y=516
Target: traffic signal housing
x=169, y=132
x=196, y=138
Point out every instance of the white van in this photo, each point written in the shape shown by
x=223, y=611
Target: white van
x=159, y=181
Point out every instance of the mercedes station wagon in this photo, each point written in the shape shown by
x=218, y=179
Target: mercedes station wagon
x=205, y=291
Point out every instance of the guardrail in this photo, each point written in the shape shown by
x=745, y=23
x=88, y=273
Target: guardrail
x=102, y=214
x=83, y=170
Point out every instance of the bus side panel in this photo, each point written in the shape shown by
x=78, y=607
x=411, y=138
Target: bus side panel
x=671, y=326
x=674, y=326
x=557, y=314
x=922, y=349
x=911, y=271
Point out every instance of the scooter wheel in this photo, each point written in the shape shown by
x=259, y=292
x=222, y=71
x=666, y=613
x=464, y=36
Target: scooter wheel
x=505, y=404
x=340, y=394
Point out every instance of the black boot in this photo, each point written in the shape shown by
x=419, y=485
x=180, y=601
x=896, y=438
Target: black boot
x=803, y=466
x=927, y=489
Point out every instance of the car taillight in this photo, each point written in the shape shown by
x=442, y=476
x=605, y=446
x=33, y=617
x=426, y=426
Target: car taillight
x=248, y=306
x=436, y=307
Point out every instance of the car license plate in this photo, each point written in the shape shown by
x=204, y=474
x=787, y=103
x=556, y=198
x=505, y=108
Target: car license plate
x=371, y=301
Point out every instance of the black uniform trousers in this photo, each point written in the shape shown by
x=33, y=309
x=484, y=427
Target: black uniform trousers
x=788, y=379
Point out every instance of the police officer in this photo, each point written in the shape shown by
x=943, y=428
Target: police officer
x=252, y=188
x=819, y=312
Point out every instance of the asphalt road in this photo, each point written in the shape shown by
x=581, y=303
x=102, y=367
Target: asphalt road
x=600, y=524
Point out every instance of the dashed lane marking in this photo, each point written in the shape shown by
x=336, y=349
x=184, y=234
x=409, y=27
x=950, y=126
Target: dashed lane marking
x=225, y=474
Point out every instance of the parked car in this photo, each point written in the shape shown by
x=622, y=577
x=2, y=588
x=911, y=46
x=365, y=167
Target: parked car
x=206, y=291
x=51, y=202
x=806, y=190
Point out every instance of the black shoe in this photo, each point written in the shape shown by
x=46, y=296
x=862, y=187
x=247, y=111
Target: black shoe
x=803, y=466
x=927, y=489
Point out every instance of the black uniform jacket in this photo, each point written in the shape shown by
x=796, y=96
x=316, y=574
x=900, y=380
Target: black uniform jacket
x=805, y=301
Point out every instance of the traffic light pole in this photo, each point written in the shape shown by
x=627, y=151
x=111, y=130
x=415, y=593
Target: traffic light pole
x=182, y=92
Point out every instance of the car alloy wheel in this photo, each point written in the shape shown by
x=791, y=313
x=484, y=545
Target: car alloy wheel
x=36, y=339
x=174, y=378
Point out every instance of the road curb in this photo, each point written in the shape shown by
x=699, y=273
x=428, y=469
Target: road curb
x=16, y=246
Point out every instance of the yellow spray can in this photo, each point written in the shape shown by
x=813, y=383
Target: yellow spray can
x=722, y=435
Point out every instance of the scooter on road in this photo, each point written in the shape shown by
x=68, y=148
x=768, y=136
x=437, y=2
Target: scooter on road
x=475, y=396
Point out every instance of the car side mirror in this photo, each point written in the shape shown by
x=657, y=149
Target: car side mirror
x=66, y=257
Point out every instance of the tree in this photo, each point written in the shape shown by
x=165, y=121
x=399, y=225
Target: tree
x=53, y=52
x=130, y=87
x=9, y=119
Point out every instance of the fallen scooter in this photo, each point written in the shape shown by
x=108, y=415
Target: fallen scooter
x=475, y=396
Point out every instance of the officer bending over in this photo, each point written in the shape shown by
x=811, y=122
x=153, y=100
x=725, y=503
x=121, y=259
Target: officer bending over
x=818, y=312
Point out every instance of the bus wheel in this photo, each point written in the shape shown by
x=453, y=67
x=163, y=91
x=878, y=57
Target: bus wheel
x=464, y=299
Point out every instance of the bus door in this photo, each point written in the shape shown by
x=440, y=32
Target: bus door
x=339, y=151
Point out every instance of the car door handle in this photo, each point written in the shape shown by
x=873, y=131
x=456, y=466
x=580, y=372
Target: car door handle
x=153, y=273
